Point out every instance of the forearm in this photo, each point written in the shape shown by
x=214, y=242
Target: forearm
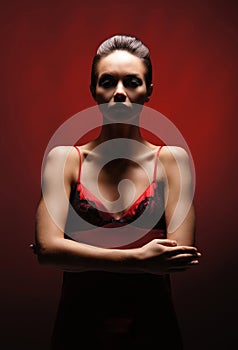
x=72, y=256
x=66, y=254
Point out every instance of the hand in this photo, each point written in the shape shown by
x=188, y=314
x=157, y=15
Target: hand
x=163, y=256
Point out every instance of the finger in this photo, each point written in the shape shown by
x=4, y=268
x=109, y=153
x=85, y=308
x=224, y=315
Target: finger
x=167, y=242
x=185, y=262
x=183, y=250
x=194, y=262
x=180, y=258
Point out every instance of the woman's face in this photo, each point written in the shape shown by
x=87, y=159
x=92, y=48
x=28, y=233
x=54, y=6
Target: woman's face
x=121, y=80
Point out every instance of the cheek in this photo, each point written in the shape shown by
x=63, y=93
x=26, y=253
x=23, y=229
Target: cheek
x=103, y=96
x=138, y=95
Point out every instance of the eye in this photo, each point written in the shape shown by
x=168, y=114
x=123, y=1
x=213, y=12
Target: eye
x=107, y=82
x=132, y=82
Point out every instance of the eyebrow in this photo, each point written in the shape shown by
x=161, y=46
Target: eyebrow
x=132, y=76
x=110, y=75
x=106, y=75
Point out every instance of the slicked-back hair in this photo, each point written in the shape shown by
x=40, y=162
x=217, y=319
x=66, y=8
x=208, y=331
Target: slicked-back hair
x=122, y=42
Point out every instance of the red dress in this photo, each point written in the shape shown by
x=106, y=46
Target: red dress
x=112, y=311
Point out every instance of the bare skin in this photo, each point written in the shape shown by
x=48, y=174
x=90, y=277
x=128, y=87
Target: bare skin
x=121, y=79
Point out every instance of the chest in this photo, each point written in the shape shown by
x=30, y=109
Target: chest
x=118, y=184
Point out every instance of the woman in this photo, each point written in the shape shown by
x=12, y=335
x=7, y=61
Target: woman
x=117, y=296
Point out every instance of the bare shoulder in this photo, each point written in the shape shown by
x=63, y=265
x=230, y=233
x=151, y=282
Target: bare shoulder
x=63, y=159
x=175, y=162
x=172, y=154
x=67, y=155
x=62, y=153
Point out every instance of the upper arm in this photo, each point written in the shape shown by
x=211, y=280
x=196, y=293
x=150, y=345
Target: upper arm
x=179, y=191
x=52, y=210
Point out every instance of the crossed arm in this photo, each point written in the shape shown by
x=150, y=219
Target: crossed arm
x=160, y=256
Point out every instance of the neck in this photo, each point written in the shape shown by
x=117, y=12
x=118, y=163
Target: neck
x=120, y=130
x=125, y=148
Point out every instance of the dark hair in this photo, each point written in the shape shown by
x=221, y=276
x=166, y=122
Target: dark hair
x=122, y=42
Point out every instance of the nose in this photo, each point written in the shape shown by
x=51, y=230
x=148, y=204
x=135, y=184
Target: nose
x=119, y=94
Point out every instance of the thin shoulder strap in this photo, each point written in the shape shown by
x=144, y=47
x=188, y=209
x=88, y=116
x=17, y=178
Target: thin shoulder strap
x=80, y=162
x=156, y=162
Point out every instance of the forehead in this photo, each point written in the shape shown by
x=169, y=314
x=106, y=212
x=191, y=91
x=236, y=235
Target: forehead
x=121, y=62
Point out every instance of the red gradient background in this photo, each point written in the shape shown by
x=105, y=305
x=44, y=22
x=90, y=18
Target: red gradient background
x=46, y=52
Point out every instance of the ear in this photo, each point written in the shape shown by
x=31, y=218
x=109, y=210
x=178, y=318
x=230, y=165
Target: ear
x=149, y=92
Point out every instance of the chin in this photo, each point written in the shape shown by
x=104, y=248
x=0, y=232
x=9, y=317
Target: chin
x=120, y=112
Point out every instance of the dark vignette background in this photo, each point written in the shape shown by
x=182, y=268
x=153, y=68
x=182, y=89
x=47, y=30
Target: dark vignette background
x=46, y=52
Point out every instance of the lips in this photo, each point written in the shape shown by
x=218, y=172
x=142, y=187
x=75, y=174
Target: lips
x=119, y=106
x=120, y=109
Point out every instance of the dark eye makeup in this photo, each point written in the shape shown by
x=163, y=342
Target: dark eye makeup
x=106, y=81
x=130, y=81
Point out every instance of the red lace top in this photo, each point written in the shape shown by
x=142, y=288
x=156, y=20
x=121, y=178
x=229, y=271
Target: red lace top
x=145, y=216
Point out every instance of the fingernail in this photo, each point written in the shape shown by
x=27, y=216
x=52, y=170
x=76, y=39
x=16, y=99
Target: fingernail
x=195, y=262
